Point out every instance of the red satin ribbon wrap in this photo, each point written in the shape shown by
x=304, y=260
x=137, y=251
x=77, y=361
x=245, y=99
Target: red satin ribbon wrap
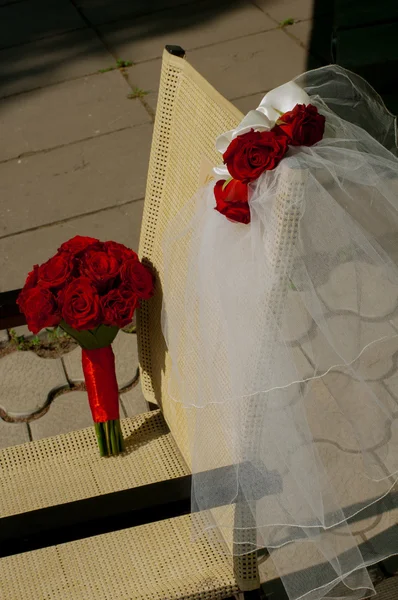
x=100, y=375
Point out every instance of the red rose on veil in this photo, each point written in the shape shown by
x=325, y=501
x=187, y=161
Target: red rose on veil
x=252, y=153
x=303, y=126
x=232, y=200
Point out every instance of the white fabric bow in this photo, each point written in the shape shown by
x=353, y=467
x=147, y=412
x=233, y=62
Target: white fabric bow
x=276, y=102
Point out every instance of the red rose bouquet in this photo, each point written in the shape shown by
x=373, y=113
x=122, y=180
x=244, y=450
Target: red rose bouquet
x=90, y=289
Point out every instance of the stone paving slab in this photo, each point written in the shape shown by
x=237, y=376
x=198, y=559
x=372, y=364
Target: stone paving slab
x=3, y=336
x=346, y=474
x=387, y=589
x=365, y=531
x=133, y=401
x=103, y=11
x=194, y=26
x=28, y=21
x=288, y=9
x=373, y=297
x=67, y=412
x=303, y=367
x=297, y=321
x=327, y=422
x=225, y=65
x=74, y=180
x=354, y=337
x=126, y=356
x=391, y=384
x=52, y=60
x=302, y=32
x=146, y=76
x=250, y=102
x=26, y=381
x=67, y=112
x=121, y=224
x=22, y=330
x=394, y=322
x=12, y=434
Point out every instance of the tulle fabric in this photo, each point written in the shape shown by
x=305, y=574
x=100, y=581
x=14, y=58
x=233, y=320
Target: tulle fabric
x=284, y=350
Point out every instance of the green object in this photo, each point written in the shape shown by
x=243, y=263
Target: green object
x=109, y=438
x=286, y=22
x=92, y=338
x=137, y=93
x=121, y=64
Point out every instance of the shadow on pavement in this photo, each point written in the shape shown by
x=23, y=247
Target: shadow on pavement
x=44, y=41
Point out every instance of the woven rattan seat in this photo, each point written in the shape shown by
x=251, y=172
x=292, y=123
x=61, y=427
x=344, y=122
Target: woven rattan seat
x=68, y=467
x=150, y=562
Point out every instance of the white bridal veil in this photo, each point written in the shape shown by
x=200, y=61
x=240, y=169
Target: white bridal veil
x=284, y=349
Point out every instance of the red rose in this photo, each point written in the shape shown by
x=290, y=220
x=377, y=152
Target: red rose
x=77, y=244
x=31, y=281
x=118, y=306
x=80, y=304
x=138, y=277
x=252, y=153
x=32, y=278
x=99, y=266
x=303, y=126
x=39, y=307
x=232, y=200
x=57, y=271
x=119, y=251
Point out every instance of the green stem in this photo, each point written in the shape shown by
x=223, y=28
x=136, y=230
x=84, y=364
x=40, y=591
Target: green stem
x=114, y=446
x=100, y=438
x=107, y=438
x=120, y=436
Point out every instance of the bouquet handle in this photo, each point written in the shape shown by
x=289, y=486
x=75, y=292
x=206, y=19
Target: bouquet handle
x=103, y=395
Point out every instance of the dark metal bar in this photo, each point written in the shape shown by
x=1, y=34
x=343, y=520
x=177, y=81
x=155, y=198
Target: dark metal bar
x=93, y=516
x=118, y=510
x=10, y=315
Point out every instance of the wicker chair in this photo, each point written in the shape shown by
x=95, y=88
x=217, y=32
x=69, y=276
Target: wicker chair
x=155, y=560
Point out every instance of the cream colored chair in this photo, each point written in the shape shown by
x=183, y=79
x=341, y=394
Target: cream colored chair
x=154, y=561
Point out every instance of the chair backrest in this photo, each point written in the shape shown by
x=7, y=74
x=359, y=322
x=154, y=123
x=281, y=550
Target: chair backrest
x=190, y=115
